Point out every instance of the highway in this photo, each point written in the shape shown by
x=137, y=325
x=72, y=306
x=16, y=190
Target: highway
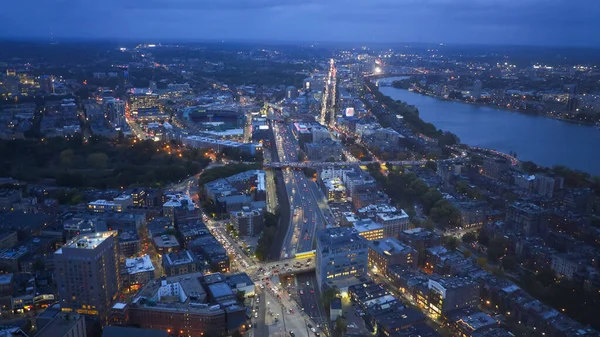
x=306, y=200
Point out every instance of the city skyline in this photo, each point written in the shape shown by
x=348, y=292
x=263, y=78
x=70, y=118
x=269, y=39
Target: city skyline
x=530, y=22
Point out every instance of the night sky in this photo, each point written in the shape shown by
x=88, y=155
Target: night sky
x=530, y=22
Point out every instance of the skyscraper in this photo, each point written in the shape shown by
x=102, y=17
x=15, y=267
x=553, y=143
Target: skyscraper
x=87, y=274
x=477, y=89
x=573, y=101
x=115, y=112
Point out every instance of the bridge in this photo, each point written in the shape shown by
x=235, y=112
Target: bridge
x=294, y=266
x=337, y=164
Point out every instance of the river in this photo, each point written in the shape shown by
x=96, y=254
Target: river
x=545, y=141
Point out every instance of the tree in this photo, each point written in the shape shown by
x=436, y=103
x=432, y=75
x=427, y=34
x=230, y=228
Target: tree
x=431, y=165
x=340, y=327
x=450, y=242
x=66, y=158
x=469, y=237
x=97, y=160
x=509, y=262
x=430, y=198
x=497, y=248
x=328, y=296
x=236, y=334
x=428, y=224
x=445, y=214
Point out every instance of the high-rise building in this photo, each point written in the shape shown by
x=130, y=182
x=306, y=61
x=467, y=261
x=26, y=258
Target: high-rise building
x=47, y=84
x=115, y=112
x=573, y=101
x=87, y=274
x=495, y=168
x=341, y=253
x=143, y=102
x=477, y=89
x=248, y=221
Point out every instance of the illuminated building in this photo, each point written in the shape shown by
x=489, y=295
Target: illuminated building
x=137, y=272
x=451, y=293
x=248, y=221
x=182, y=306
x=101, y=206
x=87, y=274
x=335, y=190
x=369, y=229
x=389, y=252
x=341, y=253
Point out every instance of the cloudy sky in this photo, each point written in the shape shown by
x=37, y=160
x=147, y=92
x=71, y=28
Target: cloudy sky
x=540, y=22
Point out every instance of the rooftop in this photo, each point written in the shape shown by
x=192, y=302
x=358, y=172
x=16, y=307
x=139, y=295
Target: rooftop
x=220, y=289
x=166, y=241
x=338, y=237
x=390, y=246
x=398, y=319
x=139, y=264
x=88, y=241
x=60, y=325
x=179, y=258
x=238, y=279
x=475, y=321
x=175, y=293
x=367, y=225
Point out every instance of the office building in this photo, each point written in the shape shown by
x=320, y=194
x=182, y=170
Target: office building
x=248, y=221
x=141, y=101
x=341, y=253
x=87, y=274
x=390, y=252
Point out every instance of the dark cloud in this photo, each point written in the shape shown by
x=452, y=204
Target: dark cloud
x=549, y=22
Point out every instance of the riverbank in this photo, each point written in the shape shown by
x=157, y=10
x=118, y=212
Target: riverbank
x=534, y=138
x=563, y=119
